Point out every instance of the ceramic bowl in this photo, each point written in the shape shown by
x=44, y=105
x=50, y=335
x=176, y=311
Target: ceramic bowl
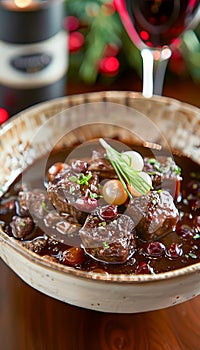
x=77, y=118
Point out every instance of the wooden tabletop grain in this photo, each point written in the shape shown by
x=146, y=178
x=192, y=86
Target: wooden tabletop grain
x=30, y=320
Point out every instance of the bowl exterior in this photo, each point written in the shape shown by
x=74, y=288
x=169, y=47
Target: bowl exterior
x=102, y=295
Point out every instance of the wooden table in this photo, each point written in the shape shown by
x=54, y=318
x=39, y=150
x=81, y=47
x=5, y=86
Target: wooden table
x=30, y=320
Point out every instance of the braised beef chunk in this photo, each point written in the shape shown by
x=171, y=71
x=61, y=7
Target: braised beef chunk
x=108, y=240
x=165, y=174
x=21, y=227
x=100, y=165
x=53, y=218
x=34, y=203
x=69, y=190
x=65, y=225
x=154, y=214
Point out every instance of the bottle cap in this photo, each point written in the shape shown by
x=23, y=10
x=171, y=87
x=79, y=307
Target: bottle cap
x=36, y=22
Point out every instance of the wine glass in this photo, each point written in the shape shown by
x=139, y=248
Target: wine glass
x=154, y=26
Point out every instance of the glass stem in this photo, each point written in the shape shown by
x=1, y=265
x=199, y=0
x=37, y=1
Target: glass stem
x=148, y=65
x=160, y=76
x=154, y=70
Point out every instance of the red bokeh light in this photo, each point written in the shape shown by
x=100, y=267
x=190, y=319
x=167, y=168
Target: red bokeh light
x=148, y=43
x=76, y=41
x=3, y=115
x=144, y=35
x=109, y=65
x=71, y=23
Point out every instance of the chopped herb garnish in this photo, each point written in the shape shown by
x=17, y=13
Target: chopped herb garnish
x=22, y=223
x=81, y=179
x=71, y=189
x=106, y=245
x=94, y=195
x=164, y=169
x=196, y=236
x=103, y=223
x=125, y=173
x=73, y=179
x=157, y=165
x=191, y=255
x=152, y=161
x=176, y=169
x=44, y=206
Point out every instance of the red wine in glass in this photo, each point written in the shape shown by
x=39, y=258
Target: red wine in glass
x=156, y=25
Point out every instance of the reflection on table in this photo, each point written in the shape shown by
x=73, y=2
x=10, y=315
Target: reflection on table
x=33, y=321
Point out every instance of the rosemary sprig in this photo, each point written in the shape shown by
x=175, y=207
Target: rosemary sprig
x=125, y=173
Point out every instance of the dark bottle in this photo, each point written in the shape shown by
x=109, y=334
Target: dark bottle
x=34, y=54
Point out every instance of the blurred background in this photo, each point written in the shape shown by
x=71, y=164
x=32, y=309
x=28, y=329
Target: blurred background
x=101, y=50
x=102, y=53
x=99, y=55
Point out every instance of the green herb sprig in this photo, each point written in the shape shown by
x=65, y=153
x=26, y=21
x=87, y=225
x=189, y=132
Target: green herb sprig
x=125, y=173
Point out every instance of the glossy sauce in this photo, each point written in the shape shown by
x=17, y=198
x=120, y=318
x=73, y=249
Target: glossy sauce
x=174, y=250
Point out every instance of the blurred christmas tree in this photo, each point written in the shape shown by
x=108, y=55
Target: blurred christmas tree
x=101, y=49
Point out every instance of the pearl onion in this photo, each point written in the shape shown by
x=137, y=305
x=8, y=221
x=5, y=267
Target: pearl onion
x=134, y=159
x=147, y=180
x=114, y=192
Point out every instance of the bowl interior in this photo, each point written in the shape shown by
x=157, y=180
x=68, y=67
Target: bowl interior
x=129, y=117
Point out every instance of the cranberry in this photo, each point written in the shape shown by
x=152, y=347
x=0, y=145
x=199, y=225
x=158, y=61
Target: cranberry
x=142, y=268
x=21, y=226
x=155, y=249
x=185, y=231
x=109, y=212
x=73, y=256
x=86, y=204
x=79, y=166
x=174, y=251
